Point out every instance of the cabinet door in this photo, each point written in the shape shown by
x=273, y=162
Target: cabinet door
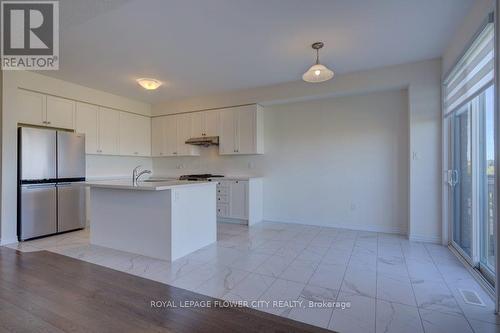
x=109, y=131
x=60, y=112
x=144, y=136
x=184, y=133
x=157, y=136
x=30, y=108
x=197, y=124
x=212, y=123
x=170, y=136
x=227, y=135
x=132, y=130
x=238, y=199
x=86, y=117
x=245, y=132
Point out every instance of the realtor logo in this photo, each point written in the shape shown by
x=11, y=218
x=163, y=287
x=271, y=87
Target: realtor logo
x=30, y=35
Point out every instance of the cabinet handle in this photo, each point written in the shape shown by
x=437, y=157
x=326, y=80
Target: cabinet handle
x=48, y=122
x=161, y=153
x=135, y=153
x=175, y=153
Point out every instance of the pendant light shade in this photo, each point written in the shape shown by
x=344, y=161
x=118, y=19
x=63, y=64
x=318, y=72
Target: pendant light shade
x=317, y=72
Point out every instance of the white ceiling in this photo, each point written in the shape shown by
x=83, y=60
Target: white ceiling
x=199, y=47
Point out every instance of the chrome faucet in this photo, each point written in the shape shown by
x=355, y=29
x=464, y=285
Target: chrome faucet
x=136, y=174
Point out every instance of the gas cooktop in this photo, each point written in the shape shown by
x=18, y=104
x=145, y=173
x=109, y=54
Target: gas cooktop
x=198, y=177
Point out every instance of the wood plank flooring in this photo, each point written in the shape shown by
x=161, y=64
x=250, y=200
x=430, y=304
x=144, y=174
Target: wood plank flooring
x=47, y=292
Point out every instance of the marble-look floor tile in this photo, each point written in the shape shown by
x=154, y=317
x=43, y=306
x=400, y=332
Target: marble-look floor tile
x=359, y=317
x=435, y=296
x=23, y=247
x=250, y=288
x=312, y=310
x=313, y=253
x=397, y=318
x=484, y=327
x=222, y=282
x=281, y=290
x=328, y=276
x=250, y=261
x=439, y=322
x=299, y=271
x=395, y=288
x=273, y=266
x=360, y=280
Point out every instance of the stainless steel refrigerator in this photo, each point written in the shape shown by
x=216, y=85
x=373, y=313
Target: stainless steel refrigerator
x=51, y=164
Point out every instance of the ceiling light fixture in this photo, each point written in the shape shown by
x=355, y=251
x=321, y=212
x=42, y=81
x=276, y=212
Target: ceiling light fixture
x=317, y=72
x=149, y=84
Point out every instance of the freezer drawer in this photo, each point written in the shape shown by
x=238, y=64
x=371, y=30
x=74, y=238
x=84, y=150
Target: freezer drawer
x=70, y=206
x=38, y=210
x=37, y=153
x=70, y=155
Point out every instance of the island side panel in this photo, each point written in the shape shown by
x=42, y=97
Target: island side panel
x=132, y=221
x=194, y=218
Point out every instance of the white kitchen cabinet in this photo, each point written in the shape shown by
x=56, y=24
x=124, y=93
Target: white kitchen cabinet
x=86, y=122
x=135, y=135
x=109, y=131
x=169, y=134
x=239, y=201
x=205, y=123
x=241, y=130
x=30, y=107
x=60, y=112
x=42, y=110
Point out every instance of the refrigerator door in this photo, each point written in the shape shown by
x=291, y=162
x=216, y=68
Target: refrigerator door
x=70, y=206
x=70, y=155
x=37, y=154
x=38, y=210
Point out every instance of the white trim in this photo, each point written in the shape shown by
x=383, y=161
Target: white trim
x=425, y=239
x=6, y=241
x=372, y=228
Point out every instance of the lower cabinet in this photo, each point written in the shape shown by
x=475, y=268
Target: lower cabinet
x=239, y=201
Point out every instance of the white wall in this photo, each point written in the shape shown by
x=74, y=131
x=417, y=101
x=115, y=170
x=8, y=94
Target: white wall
x=466, y=31
x=96, y=165
x=330, y=162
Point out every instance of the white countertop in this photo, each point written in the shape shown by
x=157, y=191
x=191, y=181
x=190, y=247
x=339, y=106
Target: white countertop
x=145, y=186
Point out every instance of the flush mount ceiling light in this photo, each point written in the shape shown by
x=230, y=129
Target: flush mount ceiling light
x=149, y=84
x=317, y=72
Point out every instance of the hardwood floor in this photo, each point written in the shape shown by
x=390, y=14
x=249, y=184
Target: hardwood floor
x=47, y=292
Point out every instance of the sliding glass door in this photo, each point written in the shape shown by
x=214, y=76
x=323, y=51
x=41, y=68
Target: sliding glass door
x=461, y=176
x=472, y=181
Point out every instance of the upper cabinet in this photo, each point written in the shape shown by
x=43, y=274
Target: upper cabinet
x=31, y=107
x=86, y=121
x=108, y=127
x=43, y=110
x=135, y=135
x=169, y=134
x=205, y=123
x=60, y=112
x=241, y=130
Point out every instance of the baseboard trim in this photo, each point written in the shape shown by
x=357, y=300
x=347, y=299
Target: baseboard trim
x=425, y=239
x=372, y=228
x=5, y=241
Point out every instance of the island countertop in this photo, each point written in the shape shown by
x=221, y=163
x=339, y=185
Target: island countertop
x=145, y=186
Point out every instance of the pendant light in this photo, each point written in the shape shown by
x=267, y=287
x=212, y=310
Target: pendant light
x=317, y=72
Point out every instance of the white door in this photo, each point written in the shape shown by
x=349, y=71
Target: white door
x=86, y=117
x=238, y=199
x=109, y=131
x=227, y=135
x=60, y=112
x=170, y=135
x=211, y=123
x=30, y=108
x=245, y=133
x=157, y=133
x=197, y=124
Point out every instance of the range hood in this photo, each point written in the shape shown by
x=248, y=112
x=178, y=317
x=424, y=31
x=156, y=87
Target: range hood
x=204, y=141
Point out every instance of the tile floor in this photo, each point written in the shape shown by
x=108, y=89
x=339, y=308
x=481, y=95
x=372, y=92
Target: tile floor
x=377, y=282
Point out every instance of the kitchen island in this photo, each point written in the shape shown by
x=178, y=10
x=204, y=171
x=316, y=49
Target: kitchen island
x=165, y=220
